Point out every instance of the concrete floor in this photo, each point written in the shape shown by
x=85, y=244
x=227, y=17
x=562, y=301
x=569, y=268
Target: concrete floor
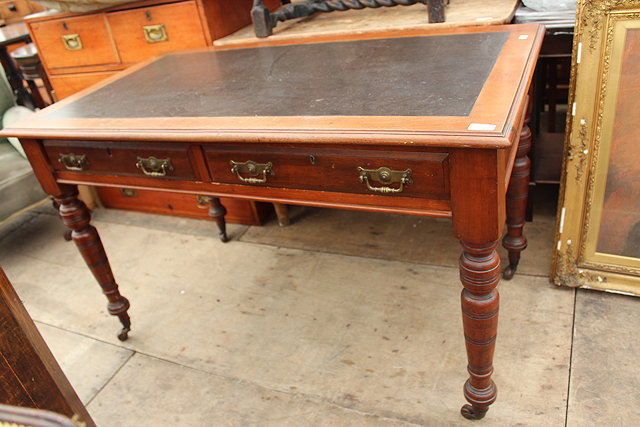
x=343, y=318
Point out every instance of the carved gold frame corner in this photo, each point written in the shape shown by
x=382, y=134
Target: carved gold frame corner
x=596, y=61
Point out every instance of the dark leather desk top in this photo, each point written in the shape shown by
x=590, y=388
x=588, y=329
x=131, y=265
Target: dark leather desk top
x=414, y=76
x=455, y=87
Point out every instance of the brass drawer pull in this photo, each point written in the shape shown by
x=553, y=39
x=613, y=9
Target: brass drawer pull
x=154, y=167
x=73, y=162
x=128, y=192
x=203, y=202
x=155, y=33
x=72, y=42
x=252, y=169
x=385, y=176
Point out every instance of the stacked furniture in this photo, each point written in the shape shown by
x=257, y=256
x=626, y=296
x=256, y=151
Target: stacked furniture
x=78, y=50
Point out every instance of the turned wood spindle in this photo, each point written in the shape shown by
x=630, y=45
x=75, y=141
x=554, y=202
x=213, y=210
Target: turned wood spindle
x=76, y=217
x=479, y=274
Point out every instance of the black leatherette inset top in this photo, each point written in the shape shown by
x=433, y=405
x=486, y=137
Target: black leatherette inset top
x=414, y=76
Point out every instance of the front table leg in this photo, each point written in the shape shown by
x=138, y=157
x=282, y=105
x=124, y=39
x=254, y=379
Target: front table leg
x=517, y=194
x=480, y=274
x=76, y=216
x=217, y=212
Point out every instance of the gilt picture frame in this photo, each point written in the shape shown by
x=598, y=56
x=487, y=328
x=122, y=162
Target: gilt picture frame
x=598, y=222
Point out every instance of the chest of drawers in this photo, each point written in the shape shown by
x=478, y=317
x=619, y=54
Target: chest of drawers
x=81, y=49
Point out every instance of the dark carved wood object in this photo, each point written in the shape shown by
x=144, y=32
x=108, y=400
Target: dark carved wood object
x=265, y=21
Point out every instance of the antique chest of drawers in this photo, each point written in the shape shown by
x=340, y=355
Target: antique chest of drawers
x=81, y=49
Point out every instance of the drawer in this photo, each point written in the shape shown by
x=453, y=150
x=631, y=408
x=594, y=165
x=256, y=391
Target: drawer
x=67, y=85
x=425, y=173
x=184, y=205
x=12, y=11
x=124, y=159
x=149, y=31
x=74, y=41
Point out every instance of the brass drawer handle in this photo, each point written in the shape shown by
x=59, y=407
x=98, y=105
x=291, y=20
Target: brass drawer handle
x=252, y=169
x=72, y=42
x=128, y=192
x=155, y=33
x=154, y=167
x=73, y=162
x=385, y=176
x=203, y=202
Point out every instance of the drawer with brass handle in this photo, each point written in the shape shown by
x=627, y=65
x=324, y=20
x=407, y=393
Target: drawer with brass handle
x=74, y=41
x=162, y=161
x=144, y=32
x=405, y=174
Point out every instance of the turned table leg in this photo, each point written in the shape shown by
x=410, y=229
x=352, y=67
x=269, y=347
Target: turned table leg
x=217, y=212
x=480, y=274
x=282, y=213
x=76, y=217
x=517, y=195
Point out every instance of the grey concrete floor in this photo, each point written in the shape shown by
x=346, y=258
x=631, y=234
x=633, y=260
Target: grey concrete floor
x=341, y=319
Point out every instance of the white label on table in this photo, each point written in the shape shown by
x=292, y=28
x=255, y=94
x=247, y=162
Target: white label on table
x=523, y=37
x=481, y=126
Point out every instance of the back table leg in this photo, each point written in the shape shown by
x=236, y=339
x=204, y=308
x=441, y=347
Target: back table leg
x=76, y=216
x=217, y=211
x=517, y=196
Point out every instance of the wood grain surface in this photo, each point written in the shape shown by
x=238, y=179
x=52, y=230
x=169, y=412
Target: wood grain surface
x=29, y=374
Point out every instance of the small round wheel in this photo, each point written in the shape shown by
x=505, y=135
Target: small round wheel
x=509, y=272
x=124, y=334
x=471, y=413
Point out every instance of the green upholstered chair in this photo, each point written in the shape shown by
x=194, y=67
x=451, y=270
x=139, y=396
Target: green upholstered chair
x=19, y=188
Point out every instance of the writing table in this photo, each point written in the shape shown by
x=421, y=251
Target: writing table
x=425, y=123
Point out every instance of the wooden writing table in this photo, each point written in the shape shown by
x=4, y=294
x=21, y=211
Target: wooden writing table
x=424, y=124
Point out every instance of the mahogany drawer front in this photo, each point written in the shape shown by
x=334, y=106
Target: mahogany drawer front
x=163, y=161
x=333, y=170
x=74, y=41
x=67, y=85
x=146, y=32
x=185, y=205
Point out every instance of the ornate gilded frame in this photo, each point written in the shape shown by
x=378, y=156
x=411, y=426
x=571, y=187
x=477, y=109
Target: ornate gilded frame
x=601, y=30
